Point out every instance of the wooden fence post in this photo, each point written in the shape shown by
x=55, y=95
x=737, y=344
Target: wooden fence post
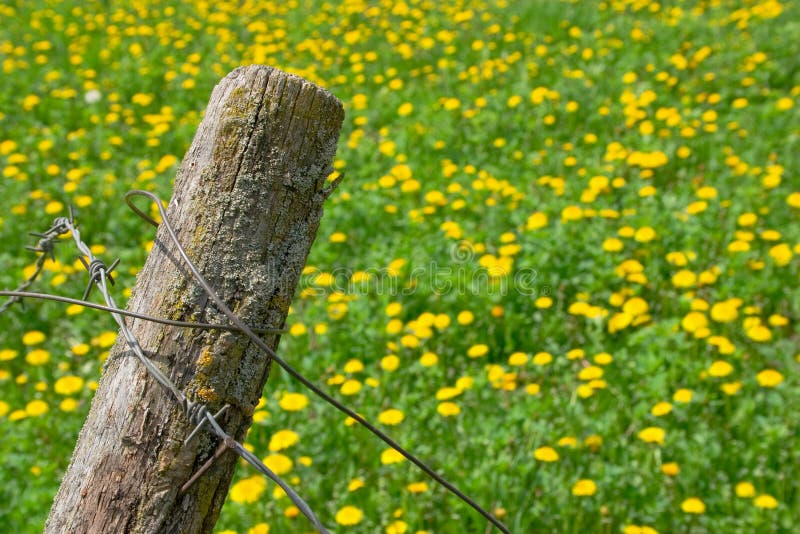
x=246, y=206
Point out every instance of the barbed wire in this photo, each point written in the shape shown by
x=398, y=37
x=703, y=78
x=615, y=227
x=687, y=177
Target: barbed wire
x=18, y=296
x=198, y=414
x=46, y=249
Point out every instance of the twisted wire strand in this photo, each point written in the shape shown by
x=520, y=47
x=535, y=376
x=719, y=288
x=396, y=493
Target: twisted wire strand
x=196, y=412
x=14, y=296
x=235, y=320
x=19, y=295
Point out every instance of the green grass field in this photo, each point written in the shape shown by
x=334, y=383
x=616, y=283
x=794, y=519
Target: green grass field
x=563, y=265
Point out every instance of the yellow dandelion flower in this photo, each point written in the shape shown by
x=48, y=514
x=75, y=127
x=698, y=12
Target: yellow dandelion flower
x=778, y=320
x=759, y=333
x=390, y=363
x=448, y=409
x=670, y=469
x=769, y=378
x=538, y=220
x=693, y=505
x=355, y=484
x=684, y=278
x=781, y=254
x=417, y=487
x=694, y=321
x=297, y=329
x=349, y=515
x=476, y=351
x=619, y=321
x=53, y=207
x=391, y=417
x=720, y=368
x=34, y=337
x=280, y=464
x=395, y=326
x=745, y=490
x=725, y=311
x=105, y=339
x=391, y=456
x=37, y=357
x=645, y=234
x=17, y=415
x=350, y=387
x=696, y=207
x=293, y=402
x=405, y=109
x=662, y=408
x=652, y=434
x=546, y=454
x=568, y=441
x=68, y=405
x=590, y=373
x=603, y=358
x=68, y=385
x=465, y=317
x=636, y=306
x=784, y=103
x=542, y=358
x=8, y=354
x=428, y=359
x=394, y=309
x=517, y=359
x=571, y=213
x=747, y=219
x=765, y=501
x=584, y=488
x=731, y=388
x=397, y=527
x=410, y=341
x=36, y=408
x=533, y=389
x=248, y=490
x=575, y=354
x=683, y=396
x=283, y=439
x=441, y=321
x=353, y=366
x=612, y=244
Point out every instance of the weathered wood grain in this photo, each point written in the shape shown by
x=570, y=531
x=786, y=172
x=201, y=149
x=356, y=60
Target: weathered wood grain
x=246, y=205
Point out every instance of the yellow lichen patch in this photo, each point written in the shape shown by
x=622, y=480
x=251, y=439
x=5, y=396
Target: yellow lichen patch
x=207, y=394
x=205, y=359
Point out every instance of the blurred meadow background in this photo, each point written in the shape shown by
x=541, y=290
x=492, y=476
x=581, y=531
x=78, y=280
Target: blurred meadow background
x=562, y=267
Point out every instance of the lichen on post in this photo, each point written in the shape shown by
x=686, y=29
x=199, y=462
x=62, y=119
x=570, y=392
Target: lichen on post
x=246, y=205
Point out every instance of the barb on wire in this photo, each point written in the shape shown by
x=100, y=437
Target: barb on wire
x=46, y=249
x=235, y=320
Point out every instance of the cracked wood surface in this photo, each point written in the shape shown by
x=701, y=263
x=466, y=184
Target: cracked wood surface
x=246, y=206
